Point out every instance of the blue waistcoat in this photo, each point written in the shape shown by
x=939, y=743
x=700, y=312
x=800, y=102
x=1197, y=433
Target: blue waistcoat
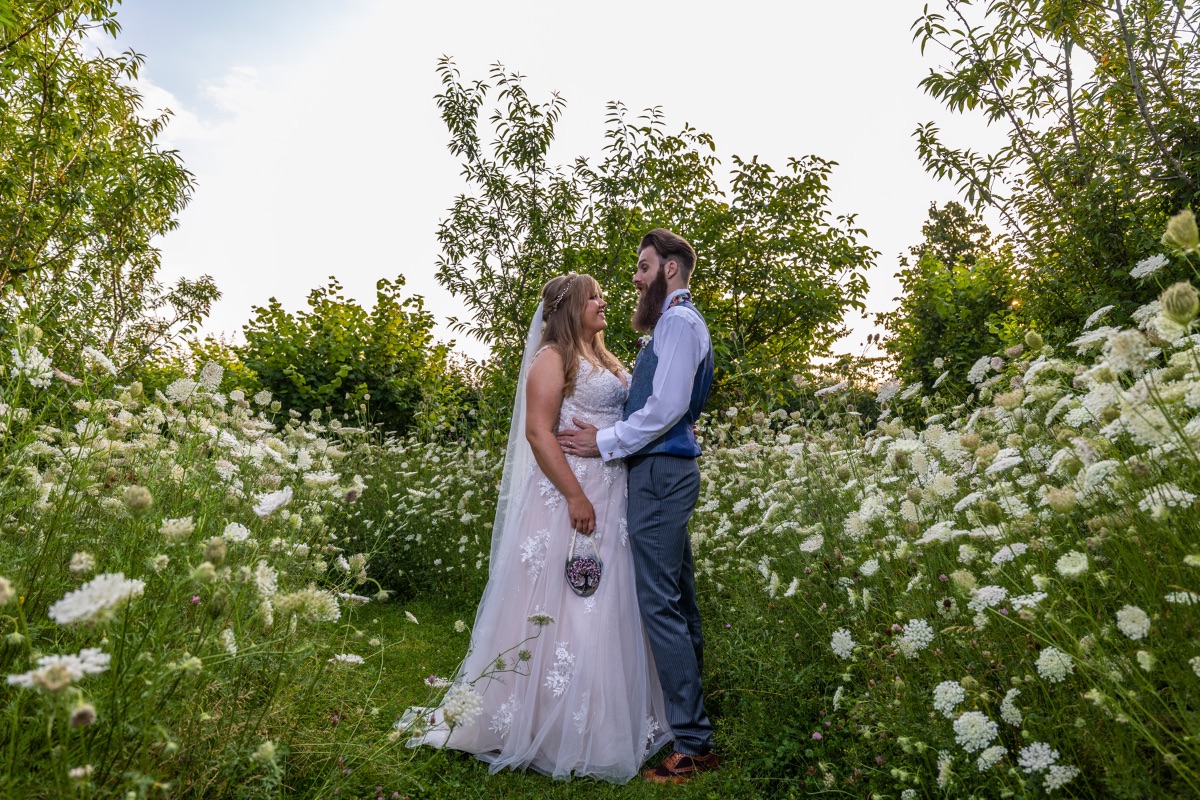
x=680, y=439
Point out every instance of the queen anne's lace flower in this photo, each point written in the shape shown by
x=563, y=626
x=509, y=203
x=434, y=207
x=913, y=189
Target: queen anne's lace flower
x=1058, y=775
x=1054, y=665
x=869, y=567
x=1008, y=708
x=946, y=697
x=54, y=673
x=174, y=530
x=97, y=600
x=916, y=637
x=842, y=643
x=181, y=390
x=36, y=367
x=1133, y=622
x=311, y=605
x=1036, y=757
x=1148, y=266
x=990, y=757
x=268, y=504
x=974, y=731
x=346, y=658
x=987, y=597
x=812, y=543
x=82, y=563
x=461, y=705
x=1009, y=552
x=1072, y=564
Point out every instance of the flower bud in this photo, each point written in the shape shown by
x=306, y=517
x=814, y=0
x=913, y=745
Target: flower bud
x=1180, y=303
x=83, y=716
x=1181, y=231
x=6, y=591
x=1033, y=340
x=214, y=551
x=205, y=573
x=138, y=498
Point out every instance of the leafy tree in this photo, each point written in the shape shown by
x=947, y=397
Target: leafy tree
x=338, y=355
x=84, y=188
x=1099, y=100
x=775, y=272
x=957, y=301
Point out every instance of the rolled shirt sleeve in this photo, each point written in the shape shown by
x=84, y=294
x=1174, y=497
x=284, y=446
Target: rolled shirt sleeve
x=680, y=343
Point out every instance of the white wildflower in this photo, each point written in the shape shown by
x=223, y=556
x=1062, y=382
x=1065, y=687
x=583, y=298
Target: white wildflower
x=267, y=504
x=812, y=543
x=346, y=658
x=180, y=390
x=97, y=600
x=1054, y=665
x=918, y=634
x=1058, y=775
x=54, y=673
x=946, y=697
x=979, y=369
x=1036, y=757
x=1096, y=316
x=987, y=597
x=1133, y=622
x=990, y=757
x=842, y=643
x=173, y=530
x=974, y=731
x=82, y=563
x=1148, y=266
x=236, y=532
x=36, y=367
x=1008, y=708
x=461, y=705
x=1009, y=552
x=1072, y=564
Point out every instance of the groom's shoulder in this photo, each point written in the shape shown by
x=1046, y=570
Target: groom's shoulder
x=685, y=313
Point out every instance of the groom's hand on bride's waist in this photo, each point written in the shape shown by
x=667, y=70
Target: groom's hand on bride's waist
x=579, y=441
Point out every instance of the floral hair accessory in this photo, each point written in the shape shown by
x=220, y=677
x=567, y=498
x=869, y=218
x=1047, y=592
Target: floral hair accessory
x=561, y=295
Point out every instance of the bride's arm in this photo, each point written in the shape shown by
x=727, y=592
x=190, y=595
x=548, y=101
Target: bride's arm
x=543, y=401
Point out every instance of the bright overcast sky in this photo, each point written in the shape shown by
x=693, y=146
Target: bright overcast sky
x=318, y=149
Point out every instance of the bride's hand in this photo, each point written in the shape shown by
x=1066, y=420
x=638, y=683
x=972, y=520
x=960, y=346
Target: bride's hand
x=582, y=514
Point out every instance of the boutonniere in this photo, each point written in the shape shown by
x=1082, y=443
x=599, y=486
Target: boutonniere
x=644, y=341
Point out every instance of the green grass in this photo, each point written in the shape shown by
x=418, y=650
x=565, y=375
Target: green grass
x=411, y=652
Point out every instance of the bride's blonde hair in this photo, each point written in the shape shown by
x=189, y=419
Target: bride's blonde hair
x=563, y=302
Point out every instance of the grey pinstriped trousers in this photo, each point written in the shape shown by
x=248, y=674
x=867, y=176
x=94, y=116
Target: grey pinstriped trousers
x=663, y=491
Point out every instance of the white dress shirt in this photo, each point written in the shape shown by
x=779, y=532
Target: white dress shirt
x=681, y=342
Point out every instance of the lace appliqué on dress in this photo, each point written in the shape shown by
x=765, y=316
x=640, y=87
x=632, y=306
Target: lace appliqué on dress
x=580, y=716
x=558, y=677
x=649, y=729
x=624, y=532
x=533, y=553
x=502, y=720
x=550, y=492
x=589, y=605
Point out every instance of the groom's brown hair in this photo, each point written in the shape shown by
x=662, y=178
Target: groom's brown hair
x=670, y=245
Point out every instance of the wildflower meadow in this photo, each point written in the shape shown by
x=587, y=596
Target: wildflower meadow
x=966, y=568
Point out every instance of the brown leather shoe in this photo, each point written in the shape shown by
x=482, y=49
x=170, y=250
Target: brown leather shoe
x=681, y=767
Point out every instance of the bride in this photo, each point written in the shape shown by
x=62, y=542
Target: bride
x=553, y=681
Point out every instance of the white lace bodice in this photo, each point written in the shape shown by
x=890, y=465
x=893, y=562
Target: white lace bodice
x=599, y=397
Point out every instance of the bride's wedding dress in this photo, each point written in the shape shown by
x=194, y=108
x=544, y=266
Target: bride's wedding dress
x=584, y=699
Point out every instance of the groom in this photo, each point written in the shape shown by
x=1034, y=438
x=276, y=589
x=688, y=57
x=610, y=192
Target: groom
x=670, y=383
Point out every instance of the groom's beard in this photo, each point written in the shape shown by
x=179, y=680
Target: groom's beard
x=650, y=304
